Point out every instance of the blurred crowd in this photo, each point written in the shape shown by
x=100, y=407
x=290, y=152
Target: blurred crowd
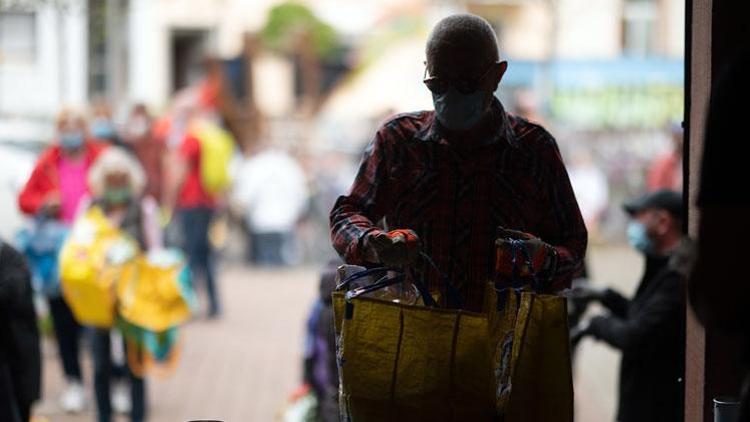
x=169, y=182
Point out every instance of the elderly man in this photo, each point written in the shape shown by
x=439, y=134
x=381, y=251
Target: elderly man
x=446, y=180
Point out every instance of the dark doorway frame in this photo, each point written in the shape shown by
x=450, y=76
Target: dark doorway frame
x=716, y=30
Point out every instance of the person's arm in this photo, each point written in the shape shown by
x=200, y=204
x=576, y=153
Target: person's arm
x=34, y=195
x=177, y=162
x=616, y=303
x=353, y=217
x=562, y=226
x=661, y=311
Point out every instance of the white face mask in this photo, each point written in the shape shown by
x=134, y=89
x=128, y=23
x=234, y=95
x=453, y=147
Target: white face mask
x=138, y=127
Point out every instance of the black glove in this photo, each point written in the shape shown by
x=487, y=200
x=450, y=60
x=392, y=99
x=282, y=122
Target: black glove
x=584, y=291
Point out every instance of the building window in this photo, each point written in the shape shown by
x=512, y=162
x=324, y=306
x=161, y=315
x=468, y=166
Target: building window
x=639, y=29
x=17, y=36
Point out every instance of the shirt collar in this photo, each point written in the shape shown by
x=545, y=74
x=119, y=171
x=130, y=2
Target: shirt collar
x=501, y=127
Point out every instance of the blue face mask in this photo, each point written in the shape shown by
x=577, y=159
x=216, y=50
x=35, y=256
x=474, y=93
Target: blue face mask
x=71, y=140
x=102, y=129
x=457, y=111
x=638, y=237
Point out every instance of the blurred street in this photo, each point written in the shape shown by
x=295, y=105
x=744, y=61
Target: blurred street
x=243, y=366
x=240, y=367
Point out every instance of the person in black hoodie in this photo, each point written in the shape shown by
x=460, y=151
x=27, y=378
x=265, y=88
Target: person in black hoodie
x=20, y=357
x=649, y=329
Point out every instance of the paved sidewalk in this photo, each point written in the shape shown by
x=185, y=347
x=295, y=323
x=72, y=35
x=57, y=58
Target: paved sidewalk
x=238, y=368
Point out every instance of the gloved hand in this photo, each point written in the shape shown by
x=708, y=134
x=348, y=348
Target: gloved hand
x=586, y=291
x=543, y=258
x=395, y=248
x=587, y=327
x=580, y=331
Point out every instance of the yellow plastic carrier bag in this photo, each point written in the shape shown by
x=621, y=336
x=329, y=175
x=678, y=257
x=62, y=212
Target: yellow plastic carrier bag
x=217, y=147
x=541, y=374
x=534, y=371
x=87, y=277
x=157, y=295
x=393, y=365
x=416, y=363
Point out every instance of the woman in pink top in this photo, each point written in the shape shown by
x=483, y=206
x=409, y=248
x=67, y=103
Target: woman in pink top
x=54, y=190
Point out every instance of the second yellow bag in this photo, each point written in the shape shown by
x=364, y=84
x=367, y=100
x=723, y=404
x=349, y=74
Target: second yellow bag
x=157, y=294
x=537, y=382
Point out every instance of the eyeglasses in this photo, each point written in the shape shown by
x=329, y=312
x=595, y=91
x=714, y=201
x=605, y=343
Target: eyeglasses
x=439, y=85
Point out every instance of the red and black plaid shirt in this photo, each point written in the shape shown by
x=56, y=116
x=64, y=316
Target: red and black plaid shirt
x=455, y=196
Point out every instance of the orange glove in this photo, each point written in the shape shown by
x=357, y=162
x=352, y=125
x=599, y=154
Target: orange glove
x=541, y=254
x=395, y=248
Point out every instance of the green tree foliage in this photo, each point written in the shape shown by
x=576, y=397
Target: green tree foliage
x=289, y=20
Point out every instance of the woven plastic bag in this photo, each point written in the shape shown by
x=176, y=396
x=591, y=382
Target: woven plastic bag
x=158, y=295
x=153, y=301
x=534, y=372
x=408, y=362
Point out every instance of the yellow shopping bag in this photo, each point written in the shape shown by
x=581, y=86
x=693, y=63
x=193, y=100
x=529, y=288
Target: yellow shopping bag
x=87, y=275
x=534, y=374
x=407, y=362
x=156, y=295
x=217, y=148
x=541, y=374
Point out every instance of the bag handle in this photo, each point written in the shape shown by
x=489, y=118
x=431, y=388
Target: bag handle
x=517, y=245
x=454, y=298
x=451, y=293
x=383, y=282
x=344, y=284
x=516, y=286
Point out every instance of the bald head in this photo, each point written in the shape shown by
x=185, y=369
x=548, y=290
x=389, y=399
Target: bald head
x=459, y=38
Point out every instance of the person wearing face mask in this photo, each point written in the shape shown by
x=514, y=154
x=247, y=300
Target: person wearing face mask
x=101, y=126
x=649, y=329
x=444, y=182
x=149, y=149
x=117, y=184
x=54, y=190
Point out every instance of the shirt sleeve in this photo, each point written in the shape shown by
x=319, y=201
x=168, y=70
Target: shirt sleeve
x=355, y=215
x=190, y=148
x=562, y=225
x=35, y=191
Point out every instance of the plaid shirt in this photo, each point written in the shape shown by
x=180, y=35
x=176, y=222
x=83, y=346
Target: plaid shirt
x=455, y=196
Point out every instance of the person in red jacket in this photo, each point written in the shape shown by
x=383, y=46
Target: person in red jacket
x=54, y=190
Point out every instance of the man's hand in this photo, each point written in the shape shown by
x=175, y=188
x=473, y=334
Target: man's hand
x=395, y=248
x=580, y=331
x=587, y=327
x=541, y=254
